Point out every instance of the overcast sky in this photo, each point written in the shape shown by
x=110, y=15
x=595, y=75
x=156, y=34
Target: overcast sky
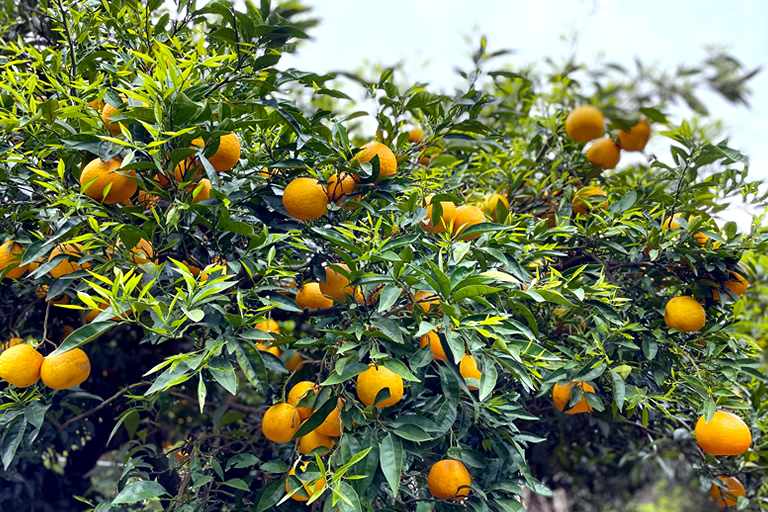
x=430, y=36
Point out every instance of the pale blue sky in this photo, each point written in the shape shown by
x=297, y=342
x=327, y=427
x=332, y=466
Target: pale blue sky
x=429, y=36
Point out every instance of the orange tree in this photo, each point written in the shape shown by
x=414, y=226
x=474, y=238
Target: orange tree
x=220, y=286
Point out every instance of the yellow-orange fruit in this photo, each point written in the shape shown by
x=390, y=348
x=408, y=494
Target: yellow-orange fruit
x=315, y=487
x=143, y=252
x=310, y=297
x=227, y=153
x=490, y=205
x=332, y=426
x=98, y=175
x=20, y=365
x=584, y=123
x=561, y=395
x=604, y=154
x=449, y=480
x=468, y=370
x=280, y=423
x=729, y=496
x=10, y=257
x=65, y=370
x=340, y=186
x=300, y=391
x=725, y=434
x=305, y=199
x=67, y=267
x=107, y=112
x=336, y=284
x=582, y=205
x=427, y=301
x=684, y=314
x=375, y=379
x=201, y=190
x=387, y=159
x=313, y=440
x=433, y=340
x=415, y=135
x=637, y=138
x=295, y=363
x=467, y=215
x=447, y=217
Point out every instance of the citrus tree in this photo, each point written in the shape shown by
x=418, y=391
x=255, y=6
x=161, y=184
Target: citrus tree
x=226, y=286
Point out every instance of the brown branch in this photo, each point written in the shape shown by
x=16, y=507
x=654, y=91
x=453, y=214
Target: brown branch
x=101, y=405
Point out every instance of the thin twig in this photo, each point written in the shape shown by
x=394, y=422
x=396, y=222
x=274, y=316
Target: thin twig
x=101, y=405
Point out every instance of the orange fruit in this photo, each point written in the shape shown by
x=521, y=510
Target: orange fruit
x=449, y=480
x=373, y=380
x=10, y=257
x=67, y=267
x=584, y=123
x=280, y=422
x=97, y=176
x=725, y=434
x=142, y=253
x=387, y=160
x=269, y=347
x=415, y=136
x=671, y=224
x=684, y=314
x=604, y=154
x=305, y=199
x=738, y=284
x=581, y=203
x=332, y=426
x=427, y=301
x=313, y=440
x=300, y=391
x=295, y=363
x=340, y=186
x=107, y=112
x=637, y=137
x=468, y=370
x=561, y=395
x=66, y=330
x=20, y=365
x=490, y=203
x=336, y=285
x=147, y=199
x=729, y=496
x=95, y=104
x=65, y=370
x=317, y=486
x=310, y=297
x=268, y=326
x=227, y=153
x=467, y=215
x=10, y=343
x=435, y=347
x=201, y=190
x=448, y=216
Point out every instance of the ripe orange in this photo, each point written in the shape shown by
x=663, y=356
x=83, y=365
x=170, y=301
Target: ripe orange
x=415, y=136
x=449, y=480
x=269, y=347
x=581, y=203
x=143, y=252
x=729, y=496
x=300, y=391
x=433, y=340
x=95, y=104
x=725, y=434
x=332, y=426
x=107, y=112
x=387, y=160
x=317, y=486
x=67, y=267
x=737, y=285
x=490, y=203
x=467, y=215
x=201, y=190
x=336, y=285
x=268, y=326
x=684, y=314
x=227, y=153
x=637, y=137
x=10, y=343
x=10, y=257
x=671, y=224
x=20, y=365
x=65, y=370
x=340, y=186
x=147, y=199
x=310, y=297
x=295, y=363
x=584, y=123
x=468, y=370
x=604, y=154
x=561, y=395
x=448, y=216
x=313, y=440
x=305, y=199
x=429, y=302
x=98, y=175
x=280, y=422
x=373, y=380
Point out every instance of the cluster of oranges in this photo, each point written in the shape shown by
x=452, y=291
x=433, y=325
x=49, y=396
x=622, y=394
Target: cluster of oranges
x=586, y=123
x=22, y=366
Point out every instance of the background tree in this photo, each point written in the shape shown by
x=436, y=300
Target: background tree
x=238, y=251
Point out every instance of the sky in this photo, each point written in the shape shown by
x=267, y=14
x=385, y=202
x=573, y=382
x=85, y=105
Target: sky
x=430, y=38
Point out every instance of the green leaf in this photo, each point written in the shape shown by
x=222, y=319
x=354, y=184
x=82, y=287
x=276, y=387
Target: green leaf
x=139, y=491
x=412, y=433
x=487, y=380
x=269, y=496
x=82, y=336
x=251, y=363
x=388, y=296
x=619, y=390
x=351, y=369
x=318, y=417
x=391, y=461
x=474, y=291
x=12, y=439
x=237, y=483
x=400, y=369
